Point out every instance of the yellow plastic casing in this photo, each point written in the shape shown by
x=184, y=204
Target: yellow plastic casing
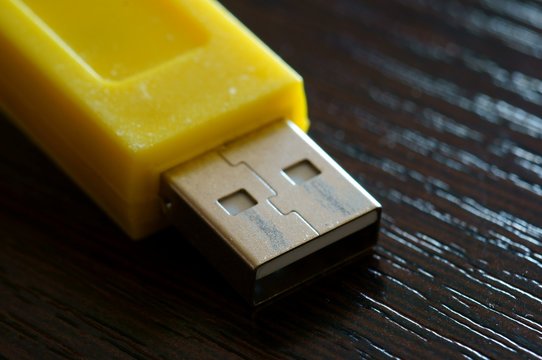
x=118, y=91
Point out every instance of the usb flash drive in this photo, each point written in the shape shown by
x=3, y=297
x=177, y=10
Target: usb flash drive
x=171, y=110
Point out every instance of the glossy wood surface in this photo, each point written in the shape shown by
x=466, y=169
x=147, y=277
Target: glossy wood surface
x=435, y=106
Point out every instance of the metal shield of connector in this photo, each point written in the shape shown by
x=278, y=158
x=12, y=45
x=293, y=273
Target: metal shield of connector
x=271, y=210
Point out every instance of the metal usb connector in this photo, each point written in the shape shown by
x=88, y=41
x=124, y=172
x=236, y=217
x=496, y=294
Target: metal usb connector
x=271, y=210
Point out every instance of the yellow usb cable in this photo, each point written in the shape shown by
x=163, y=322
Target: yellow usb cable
x=171, y=110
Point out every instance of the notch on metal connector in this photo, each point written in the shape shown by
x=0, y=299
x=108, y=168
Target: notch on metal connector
x=271, y=210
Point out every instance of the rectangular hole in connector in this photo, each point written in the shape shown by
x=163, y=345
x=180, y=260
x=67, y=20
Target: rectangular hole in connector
x=237, y=202
x=301, y=172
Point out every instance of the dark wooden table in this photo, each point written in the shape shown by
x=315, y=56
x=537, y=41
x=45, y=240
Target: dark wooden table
x=435, y=106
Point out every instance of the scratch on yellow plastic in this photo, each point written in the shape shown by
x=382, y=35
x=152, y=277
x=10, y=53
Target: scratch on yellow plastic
x=117, y=91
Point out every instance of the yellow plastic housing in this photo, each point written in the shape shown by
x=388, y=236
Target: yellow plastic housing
x=118, y=91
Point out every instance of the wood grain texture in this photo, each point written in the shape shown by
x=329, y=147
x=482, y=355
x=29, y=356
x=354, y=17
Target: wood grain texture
x=434, y=106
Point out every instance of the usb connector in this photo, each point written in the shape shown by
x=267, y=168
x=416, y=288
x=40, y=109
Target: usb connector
x=271, y=210
x=117, y=94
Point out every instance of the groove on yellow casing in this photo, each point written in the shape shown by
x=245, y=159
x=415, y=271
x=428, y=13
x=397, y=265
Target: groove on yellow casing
x=119, y=38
